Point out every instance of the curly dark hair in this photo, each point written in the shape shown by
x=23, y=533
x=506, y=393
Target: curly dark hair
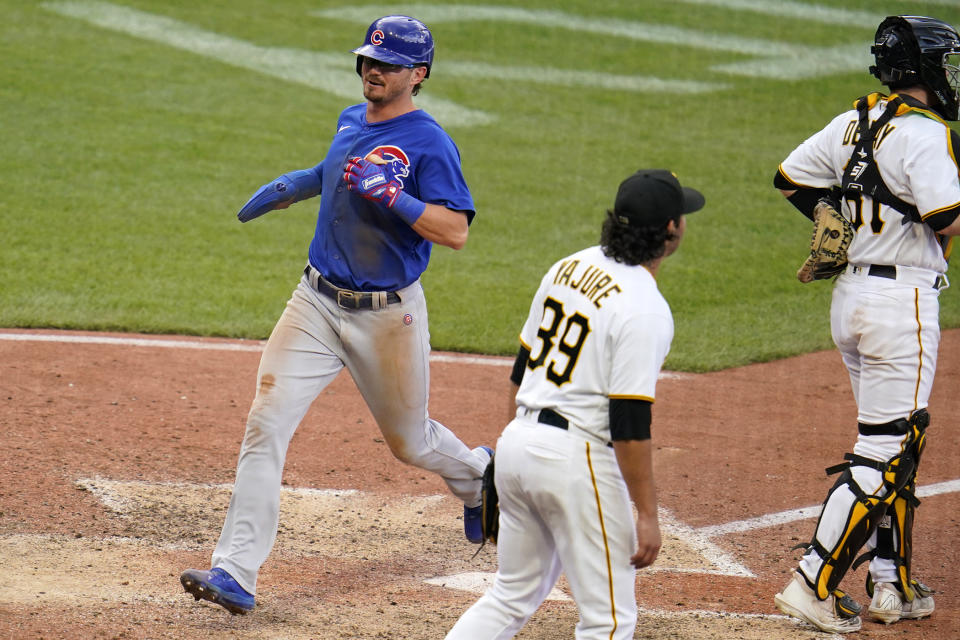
x=632, y=245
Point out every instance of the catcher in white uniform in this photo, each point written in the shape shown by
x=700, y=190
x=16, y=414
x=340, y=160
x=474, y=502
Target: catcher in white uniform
x=892, y=161
x=578, y=451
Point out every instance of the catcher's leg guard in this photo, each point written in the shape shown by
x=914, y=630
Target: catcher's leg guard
x=832, y=550
x=894, y=540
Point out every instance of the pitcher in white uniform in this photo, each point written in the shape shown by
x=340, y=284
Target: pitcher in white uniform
x=892, y=162
x=578, y=450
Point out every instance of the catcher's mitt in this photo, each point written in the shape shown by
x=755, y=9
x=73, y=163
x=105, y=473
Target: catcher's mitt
x=832, y=234
x=490, y=514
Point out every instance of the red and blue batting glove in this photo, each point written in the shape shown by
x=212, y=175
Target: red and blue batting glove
x=370, y=181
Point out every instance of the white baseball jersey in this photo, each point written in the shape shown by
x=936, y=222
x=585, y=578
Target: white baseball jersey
x=597, y=329
x=916, y=161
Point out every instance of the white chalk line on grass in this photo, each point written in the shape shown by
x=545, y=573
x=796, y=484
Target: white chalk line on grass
x=332, y=73
x=628, y=29
x=800, y=10
x=252, y=346
x=774, y=59
x=335, y=72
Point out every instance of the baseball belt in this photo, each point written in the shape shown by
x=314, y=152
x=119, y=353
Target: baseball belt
x=347, y=299
x=907, y=275
x=554, y=419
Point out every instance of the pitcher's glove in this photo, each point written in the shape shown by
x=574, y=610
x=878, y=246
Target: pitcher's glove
x=490, y=507
x=832, y=235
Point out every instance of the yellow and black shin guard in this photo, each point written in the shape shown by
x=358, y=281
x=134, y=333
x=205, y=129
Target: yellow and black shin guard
x=867, y=511
x=895, y=532
x=865, y=514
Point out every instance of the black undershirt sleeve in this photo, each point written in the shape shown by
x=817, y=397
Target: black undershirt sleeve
x=942, y=219
x=629, y=419
x=805, y=199
x=520, y=365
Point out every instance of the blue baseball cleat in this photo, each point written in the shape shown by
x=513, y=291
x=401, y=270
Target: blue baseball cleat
x=473, y=517
x=219, y=587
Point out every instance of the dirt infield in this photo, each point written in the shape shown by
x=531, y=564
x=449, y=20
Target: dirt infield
x=118, y=457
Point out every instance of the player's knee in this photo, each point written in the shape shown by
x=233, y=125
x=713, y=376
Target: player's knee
x=408, y=456
x=260, y=434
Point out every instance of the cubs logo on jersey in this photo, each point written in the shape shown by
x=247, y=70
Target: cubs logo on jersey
x=395, y=162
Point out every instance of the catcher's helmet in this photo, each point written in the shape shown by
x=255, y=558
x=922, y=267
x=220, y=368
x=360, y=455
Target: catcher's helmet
x=397, y=40
x=911, y=50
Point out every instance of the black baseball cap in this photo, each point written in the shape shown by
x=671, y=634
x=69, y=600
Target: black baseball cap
x=652, y=197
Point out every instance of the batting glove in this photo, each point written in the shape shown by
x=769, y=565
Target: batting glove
x=369, y=180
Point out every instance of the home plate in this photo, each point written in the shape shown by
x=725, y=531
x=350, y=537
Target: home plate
x=479, y=582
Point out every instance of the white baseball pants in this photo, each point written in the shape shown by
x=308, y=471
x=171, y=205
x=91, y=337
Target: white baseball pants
x=888, y=334
x=387, y=353
x=563, y=507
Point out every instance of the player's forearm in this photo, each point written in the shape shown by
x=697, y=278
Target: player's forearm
x=282, y=192
x=635, y=460
x=442, y=226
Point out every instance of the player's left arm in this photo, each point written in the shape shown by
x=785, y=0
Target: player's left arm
x=439, y=181
x=953, y=229
x=442, y=187
x=516, y=377
x=936, y=182
x=441, y=225
x=635, y=459
x=640, y=348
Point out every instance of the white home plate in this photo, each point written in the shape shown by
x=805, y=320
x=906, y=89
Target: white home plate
x=479, y=582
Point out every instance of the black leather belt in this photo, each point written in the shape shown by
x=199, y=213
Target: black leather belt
x=883, y=271
x=554, y=419
x=890, y=272
x=346, y=298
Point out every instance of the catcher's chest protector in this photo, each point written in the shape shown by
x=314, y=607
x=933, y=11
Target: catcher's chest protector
x=861, y=175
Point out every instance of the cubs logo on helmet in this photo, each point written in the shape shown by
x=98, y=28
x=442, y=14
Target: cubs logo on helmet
x=397, y=40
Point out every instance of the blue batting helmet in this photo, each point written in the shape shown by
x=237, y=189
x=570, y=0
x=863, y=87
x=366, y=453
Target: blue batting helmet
x=397, y=40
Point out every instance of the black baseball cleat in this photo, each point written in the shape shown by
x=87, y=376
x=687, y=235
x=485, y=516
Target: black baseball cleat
x=219, y=587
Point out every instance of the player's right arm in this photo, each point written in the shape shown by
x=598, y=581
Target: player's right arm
x=808, y=173
x=282, y=192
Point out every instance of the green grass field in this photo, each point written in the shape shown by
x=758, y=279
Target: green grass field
x=132, y=131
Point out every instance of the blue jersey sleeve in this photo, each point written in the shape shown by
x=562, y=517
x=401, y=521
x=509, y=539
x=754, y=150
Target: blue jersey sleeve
x=440, y=179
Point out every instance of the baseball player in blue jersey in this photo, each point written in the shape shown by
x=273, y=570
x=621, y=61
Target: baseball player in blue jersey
x=893, y=159
x=577, y=452
x=391, y=186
